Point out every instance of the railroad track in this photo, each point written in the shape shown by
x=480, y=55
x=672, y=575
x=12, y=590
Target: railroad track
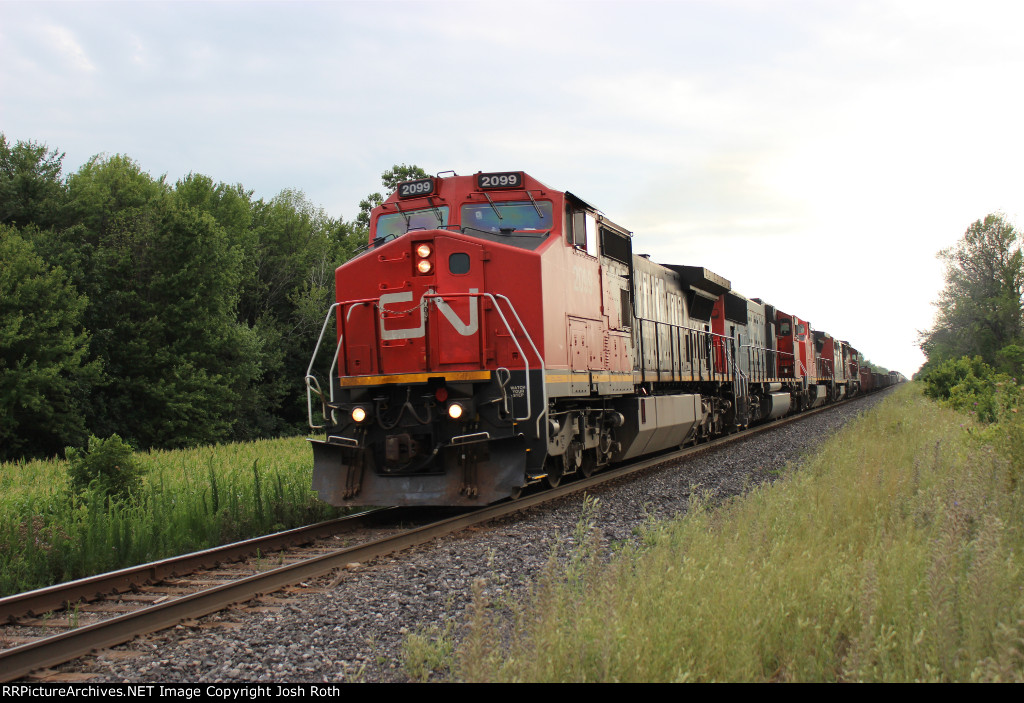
x=154, y=596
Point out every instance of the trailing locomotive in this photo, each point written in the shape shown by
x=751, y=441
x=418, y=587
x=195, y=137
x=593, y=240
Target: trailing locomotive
x=496, y=332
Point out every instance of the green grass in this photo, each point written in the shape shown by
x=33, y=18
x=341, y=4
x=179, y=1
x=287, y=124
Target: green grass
x=893, y=554
x=190, y=500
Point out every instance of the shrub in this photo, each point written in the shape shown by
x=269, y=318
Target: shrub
x=995, y=399
x=107, y=467
x=971, y=385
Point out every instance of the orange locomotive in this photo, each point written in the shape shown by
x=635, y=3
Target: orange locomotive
x=496, y=333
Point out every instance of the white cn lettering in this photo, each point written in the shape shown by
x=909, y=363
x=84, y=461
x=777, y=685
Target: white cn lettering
x=411, y=333
x=464, y=328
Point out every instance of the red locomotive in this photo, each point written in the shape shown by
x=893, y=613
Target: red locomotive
x=496, y=333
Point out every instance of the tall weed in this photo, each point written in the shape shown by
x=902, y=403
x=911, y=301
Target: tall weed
x=995, y=399
x=894, y=554
x=186, y=500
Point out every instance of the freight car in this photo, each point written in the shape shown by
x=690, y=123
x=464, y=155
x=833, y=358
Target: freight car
x=496, y=333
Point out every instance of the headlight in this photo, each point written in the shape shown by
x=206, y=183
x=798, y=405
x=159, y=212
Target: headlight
x=358, y=414
x=424, y=265
x=455, y=411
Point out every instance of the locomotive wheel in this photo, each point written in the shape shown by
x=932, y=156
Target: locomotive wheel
x=555, y=471
x=589, y=464
x=572, y=460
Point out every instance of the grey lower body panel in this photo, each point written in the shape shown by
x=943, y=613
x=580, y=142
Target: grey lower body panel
x=657, y=422
x=819, y=395
x=775, y=405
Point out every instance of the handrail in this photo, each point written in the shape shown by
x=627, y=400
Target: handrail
x=770, y=357
x=311, y=379
x=707, y=350
x=526, y=363
x=313, y=384
x=540, y=360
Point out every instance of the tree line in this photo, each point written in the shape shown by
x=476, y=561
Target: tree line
x=169, y=314
x=979, y=311
x=975, y=349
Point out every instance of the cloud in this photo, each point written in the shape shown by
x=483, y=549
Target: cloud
x=63, y=42
x=815, y=153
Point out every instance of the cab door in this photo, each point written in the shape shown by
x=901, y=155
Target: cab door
x=456, y=322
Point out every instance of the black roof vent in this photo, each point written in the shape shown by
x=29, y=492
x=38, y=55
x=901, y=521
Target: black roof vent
x=700, y=304
x=736, y=308
x=700, y=277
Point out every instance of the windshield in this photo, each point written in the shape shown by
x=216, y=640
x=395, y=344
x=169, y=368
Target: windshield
x=515, y=217
x=395, y=224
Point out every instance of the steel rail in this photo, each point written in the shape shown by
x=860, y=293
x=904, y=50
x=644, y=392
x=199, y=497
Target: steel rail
x=57, y=597
x=22, y=660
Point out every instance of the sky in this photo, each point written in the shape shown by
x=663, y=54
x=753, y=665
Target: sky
x=816, y=154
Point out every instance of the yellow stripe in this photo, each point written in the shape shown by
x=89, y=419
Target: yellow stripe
x=612, y=377
x=348, y=381
x=577, y=376
x=563, y=377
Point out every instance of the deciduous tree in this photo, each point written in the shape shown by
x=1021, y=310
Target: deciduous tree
x=163, y=279
x=45, y=369
x=979, y=310
x=390, y=180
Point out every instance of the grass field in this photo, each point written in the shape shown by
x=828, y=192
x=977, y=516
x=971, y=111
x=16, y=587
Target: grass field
x=190, y=500
x=894, y=554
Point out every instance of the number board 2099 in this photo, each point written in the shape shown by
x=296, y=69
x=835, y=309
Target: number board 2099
x=416, y=189
x=509, y=179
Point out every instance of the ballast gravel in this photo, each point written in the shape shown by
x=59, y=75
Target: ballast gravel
x=351, y=626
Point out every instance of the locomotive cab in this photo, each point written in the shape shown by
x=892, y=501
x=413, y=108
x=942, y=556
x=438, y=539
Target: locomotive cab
x=437, y=384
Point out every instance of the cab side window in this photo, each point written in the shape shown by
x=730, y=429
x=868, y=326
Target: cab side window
x=581, y=230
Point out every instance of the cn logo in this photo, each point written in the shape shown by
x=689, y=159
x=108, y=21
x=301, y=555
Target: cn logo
x=464, y=328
